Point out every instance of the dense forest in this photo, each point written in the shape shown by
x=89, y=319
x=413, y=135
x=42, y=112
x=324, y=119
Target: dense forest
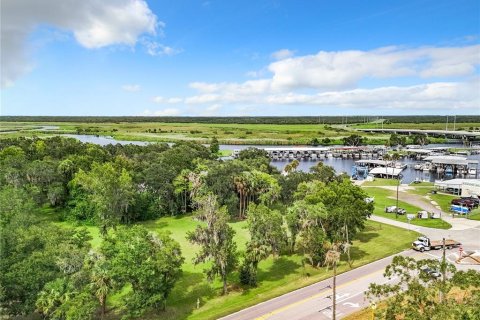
x=54, y=271
x=246, y=120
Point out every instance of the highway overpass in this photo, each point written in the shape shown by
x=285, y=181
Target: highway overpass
x=460, y=134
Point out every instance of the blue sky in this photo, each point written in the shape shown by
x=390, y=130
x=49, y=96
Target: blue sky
x=236, y=58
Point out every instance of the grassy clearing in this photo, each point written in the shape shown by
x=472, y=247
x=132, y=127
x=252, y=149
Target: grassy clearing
x=475, y=214
x=383, y=200
x=380, y=182
x=225, y=153
x=276, y=276
x=443, y=200
x=422, y=184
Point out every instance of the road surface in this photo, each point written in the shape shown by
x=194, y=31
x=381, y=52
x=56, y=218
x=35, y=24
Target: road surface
x=314, y=301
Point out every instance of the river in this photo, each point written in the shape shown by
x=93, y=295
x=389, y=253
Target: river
x=340, y=165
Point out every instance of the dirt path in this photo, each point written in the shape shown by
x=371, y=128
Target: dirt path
x=426, y=204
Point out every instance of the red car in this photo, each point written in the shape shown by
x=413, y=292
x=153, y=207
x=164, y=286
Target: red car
x=464, y=202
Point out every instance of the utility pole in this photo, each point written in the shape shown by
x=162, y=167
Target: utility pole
x=444, y=267
x=454, y=121
x=446, y=124
x=398, y=184
x=334, y=290
x=332, y=257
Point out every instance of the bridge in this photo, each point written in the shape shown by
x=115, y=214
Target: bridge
x=460, y=134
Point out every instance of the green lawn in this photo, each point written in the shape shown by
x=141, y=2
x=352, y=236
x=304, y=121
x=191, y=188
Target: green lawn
x=422, y=184
x=382, y=201
x=443, y=200
x=475, y=214
x=276, y=275
x=380, y=182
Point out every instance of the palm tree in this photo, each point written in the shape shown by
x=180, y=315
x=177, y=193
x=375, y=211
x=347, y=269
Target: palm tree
x=101, y=283
x=241, y=186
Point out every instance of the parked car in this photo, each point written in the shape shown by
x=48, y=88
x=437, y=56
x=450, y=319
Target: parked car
x=474, y=200
x=465, y=202
x=431, y=272
x=401, y=211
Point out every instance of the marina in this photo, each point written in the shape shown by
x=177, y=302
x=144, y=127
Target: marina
x=344, y=159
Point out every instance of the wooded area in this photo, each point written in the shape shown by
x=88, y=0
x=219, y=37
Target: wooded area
x=56, y=272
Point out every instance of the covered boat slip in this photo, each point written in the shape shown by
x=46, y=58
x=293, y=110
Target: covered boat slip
x=462, y=187
x=454, y=165
x=386, y=172
x=314, y=153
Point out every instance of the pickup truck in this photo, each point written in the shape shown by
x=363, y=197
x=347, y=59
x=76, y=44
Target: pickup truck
x=425, y=244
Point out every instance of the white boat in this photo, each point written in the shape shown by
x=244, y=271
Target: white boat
x=418, y=166
x=427, y=166
x=399, y=165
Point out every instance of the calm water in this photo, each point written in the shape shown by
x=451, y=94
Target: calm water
x=340, y=165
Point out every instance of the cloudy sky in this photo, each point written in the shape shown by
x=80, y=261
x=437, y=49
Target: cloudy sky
x=236, y=58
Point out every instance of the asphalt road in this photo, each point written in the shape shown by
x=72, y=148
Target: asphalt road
x=314, y=301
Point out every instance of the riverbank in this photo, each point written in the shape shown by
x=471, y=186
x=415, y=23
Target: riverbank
x=226, y=133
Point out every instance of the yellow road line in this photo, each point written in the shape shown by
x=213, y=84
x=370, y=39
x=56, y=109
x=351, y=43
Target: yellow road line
x=281, y=309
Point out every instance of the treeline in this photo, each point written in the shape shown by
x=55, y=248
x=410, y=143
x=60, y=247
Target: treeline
x=247, y=120
x=53, y=271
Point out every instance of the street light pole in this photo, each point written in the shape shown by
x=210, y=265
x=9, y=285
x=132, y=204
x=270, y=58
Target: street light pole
x=398, y=185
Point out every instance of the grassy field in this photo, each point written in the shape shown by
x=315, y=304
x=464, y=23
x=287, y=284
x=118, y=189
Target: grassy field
x=276, y=276
x=385, y=198
x=286, y=134
x=380, y=182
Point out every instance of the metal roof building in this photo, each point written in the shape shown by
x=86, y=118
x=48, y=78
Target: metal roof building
x=463, y=187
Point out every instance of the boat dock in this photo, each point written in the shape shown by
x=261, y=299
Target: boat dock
x=316, y=153
x=452, y=165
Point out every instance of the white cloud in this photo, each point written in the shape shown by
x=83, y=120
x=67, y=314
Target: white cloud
x=155, y=48
x=433, y=95
x=163, y=100
x=174, y=100
x=168, y=112
x=441, y=95
x=282, y=54
x=327, y=71
x=131, y=87
x=159, y=99
x=93, y=23
x=344, y=69
x=332, y=79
